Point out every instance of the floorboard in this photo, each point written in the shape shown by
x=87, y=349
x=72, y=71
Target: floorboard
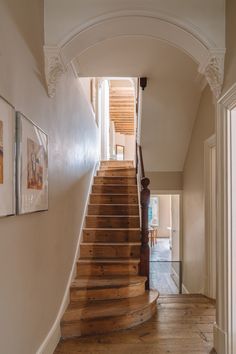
x=183, y=325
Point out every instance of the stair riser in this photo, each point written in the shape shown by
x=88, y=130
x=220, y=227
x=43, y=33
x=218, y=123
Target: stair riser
x=107, y=269
x=113, y=209
x=115, y=180
x=108, y=251
x=112, y=222
x=113, y=199
x=111, y=236
x=119, y=164
x=117, y=173
x=114, y=189
x=124, y=292
x=106, y=325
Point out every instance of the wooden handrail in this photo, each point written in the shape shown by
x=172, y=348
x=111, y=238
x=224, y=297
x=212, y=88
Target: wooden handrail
x=144, y=201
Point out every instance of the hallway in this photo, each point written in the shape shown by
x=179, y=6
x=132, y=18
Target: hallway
x=161, y=268
x=183, y=325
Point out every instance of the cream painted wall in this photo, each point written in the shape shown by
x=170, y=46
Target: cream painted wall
x=128, y=141
x=37, y=250
x=164, y=215
x=193, y=197
x=165, y=180
x=230, y=57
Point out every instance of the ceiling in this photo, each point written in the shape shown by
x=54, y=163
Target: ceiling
x=170, y=100
x=64, y=18
x=122, y=106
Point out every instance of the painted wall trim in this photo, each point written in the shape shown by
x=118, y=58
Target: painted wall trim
x=159, y=26
x=184, y=289
x=224, y=338
x=50, y=342
x=209, y=242
x=220, y=340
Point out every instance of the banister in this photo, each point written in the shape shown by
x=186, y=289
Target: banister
x=144, y=201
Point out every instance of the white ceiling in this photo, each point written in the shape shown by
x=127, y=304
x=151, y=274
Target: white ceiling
x=64, y=17
x=170, y=100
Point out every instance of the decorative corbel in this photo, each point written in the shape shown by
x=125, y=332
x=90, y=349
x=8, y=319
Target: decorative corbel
x=54, y=68
x=213, y=71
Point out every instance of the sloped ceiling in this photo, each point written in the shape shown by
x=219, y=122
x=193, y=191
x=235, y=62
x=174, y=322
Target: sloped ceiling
x=170, y=100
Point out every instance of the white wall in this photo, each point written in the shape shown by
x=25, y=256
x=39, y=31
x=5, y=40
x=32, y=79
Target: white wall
x=164, y=215
x=193, y=197
x=128, y=141
x=37, y=250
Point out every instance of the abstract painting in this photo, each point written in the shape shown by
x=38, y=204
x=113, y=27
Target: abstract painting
x=32, y=166
x=35, y=156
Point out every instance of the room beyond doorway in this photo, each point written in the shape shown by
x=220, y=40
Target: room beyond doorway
x=165, y=241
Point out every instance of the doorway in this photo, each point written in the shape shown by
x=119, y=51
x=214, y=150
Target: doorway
x=165, y=243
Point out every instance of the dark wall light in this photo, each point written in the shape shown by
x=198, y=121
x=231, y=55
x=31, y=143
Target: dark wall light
x=143, y=82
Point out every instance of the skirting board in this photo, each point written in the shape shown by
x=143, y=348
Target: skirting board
x=50, y=342
x=184, y=289
x=220, y=340
x=175, y=277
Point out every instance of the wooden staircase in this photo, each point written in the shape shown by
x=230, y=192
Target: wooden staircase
x=108, y=293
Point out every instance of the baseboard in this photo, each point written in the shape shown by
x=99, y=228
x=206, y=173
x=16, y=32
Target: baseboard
x=220, y=340
x=184, y=289
x=175, y=277
x=50, y=342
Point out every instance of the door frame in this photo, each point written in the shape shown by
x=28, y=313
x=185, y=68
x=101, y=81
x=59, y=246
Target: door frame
x=225, y=327
x=180, y=193
x=210, y=242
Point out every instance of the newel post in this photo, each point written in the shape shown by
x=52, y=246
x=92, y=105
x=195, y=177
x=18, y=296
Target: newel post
x=145, y=251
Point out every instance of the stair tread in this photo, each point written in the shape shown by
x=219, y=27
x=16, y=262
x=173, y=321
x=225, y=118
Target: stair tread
x=86, y=310
x=115, y=194
x=116, y=185
x=112, y=216
x=113, y=205
x=111, y=243
x=106, y=281
x=115, y=229
x=109, y=260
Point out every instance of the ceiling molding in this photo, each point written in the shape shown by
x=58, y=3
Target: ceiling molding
x=213, y=70
x=184, y=36
x=54, y=68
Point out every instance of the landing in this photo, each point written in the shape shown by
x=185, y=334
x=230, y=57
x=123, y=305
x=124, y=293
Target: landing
x=183, y=325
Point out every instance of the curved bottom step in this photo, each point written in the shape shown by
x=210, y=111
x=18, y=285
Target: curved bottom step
x=107, y=288
x=98, y=317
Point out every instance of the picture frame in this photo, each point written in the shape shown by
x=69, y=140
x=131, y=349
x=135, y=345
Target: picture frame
x=32, y=166
x=7, y=158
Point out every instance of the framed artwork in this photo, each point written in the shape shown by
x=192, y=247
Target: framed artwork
x=7, y=158
x=120, y=152
x=32, y=166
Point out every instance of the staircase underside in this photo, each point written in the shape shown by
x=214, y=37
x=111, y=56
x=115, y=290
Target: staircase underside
x=108, y=294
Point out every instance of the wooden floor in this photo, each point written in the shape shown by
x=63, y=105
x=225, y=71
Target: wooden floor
x=183, y=325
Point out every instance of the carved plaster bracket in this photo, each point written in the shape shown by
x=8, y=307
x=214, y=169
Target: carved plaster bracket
x=213, y=70
x=54, y=68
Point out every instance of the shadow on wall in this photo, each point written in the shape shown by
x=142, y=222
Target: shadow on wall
x=31, y=31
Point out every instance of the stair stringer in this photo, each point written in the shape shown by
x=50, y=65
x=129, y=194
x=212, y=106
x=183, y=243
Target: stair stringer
x=51, y=340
